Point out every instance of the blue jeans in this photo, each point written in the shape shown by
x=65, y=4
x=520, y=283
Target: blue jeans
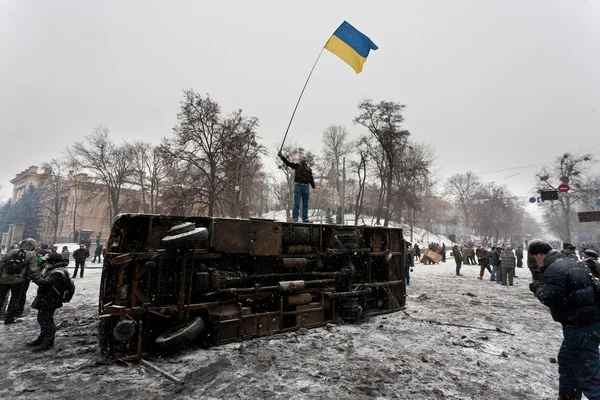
x=496, y=273
x=458, y=265
x=579, y=362
x=301, y=192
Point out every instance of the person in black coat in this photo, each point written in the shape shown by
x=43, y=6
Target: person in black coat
x=80, y=255
x=51, y=283
x=568, y=290
x=98, y=253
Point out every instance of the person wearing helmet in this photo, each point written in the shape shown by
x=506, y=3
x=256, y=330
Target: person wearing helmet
x=568, y=290
x=15, y=271
x=303, y=177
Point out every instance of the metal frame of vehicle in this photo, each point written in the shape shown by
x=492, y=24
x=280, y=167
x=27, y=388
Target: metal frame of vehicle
x=170, y=281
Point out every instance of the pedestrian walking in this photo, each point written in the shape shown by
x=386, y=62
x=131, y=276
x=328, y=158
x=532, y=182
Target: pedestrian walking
x=484, y=262
x=97, y=253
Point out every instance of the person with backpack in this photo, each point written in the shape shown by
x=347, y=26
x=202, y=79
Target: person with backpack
x=15, y=271
x=303, y=177
x=54, y=287
x=80, y=255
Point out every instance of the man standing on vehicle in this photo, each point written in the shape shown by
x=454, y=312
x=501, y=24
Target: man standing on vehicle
x=303, y=177
x=567, y=289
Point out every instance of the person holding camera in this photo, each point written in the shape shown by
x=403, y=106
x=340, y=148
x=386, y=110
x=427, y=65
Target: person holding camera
x=568, y=290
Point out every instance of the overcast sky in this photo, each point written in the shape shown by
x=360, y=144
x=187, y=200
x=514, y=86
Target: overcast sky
x=492, y=85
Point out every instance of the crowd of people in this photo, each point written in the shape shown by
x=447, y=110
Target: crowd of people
x=47, y=269
x=567, y=283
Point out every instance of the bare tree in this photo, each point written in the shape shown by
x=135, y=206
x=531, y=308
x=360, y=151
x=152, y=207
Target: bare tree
x=202, y=141
x=567, y=169
x=361, y=171
x=53, y=192
x=110, y=164
x=384, y=121
x=336, y=145
x=149, y=173
x=463, y=187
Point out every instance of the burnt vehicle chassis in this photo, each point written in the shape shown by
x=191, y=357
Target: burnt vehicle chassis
x=171, y=281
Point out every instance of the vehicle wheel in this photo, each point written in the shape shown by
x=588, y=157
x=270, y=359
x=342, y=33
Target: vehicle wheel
x=180, y=336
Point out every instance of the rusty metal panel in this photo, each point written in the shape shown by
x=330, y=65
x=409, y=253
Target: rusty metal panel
x=309, y=315
x=269, y=323
x=250, y=326
x=231, y=235
x=229, y=330
x=265, y=238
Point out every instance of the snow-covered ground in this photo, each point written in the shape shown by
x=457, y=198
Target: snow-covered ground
x=504, y=348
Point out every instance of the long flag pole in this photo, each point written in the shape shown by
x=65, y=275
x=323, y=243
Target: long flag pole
x=299, y=98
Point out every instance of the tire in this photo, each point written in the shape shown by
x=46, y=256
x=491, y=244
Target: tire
x=181, y=336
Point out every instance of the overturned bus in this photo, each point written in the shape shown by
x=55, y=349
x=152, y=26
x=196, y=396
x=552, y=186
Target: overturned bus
x=168, y=282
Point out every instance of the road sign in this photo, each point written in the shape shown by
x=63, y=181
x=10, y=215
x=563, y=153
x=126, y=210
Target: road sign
x=598, y=203
x=549, y=195
x=589, y=216
x=533, y=200
x=563, y=188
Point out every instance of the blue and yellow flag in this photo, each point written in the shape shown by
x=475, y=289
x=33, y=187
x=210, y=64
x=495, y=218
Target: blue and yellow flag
x=350, y=45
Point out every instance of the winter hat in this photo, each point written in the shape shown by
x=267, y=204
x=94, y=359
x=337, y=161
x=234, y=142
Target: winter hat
x=538, y=246
x=591, y=253
x=53, y=258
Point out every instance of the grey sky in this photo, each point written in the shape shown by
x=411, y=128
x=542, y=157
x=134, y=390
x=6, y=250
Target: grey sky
x=492, y=84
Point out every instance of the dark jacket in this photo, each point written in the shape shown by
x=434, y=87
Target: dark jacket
x=483, y=258
x=98, y=250
x=302, y=172
x=51, y=283
x=519, y=252
x=456, y=253
x=508, y=259
x=81, y=255
x=568, y=291
x=494, y=257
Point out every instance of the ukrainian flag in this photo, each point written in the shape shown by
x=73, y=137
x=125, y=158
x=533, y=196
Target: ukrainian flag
x=350, y=45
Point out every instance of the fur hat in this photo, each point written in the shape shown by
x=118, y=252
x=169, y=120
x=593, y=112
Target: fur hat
x=538, y=246
x=591, y=253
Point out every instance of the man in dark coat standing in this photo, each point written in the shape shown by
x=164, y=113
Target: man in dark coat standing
x=51, y=283
x=567, y=289
x=303, y=177
x=80, y=255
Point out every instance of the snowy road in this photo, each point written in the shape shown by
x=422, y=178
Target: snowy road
x=398, y=355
